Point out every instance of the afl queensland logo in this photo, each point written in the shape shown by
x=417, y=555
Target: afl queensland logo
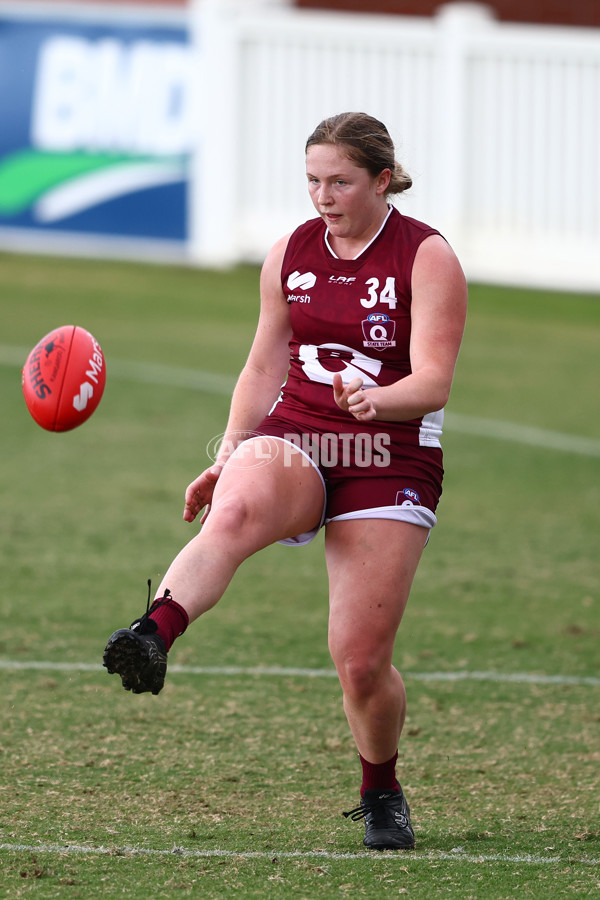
x=378, y=331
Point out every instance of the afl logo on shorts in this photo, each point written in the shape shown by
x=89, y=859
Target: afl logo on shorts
x=407, y=497
x=378, y=331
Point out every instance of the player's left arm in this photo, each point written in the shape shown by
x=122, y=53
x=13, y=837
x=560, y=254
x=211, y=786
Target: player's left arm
x=438, y=312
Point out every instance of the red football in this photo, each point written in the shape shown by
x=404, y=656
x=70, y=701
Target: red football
x=63, y=378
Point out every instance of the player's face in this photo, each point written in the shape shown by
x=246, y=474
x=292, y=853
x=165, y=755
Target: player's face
x=350, y=201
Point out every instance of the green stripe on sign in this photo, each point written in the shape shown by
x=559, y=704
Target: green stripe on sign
x=26, y=175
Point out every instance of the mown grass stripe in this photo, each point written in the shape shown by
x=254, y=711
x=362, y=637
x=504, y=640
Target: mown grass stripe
x=456, y=855
x=291, y=672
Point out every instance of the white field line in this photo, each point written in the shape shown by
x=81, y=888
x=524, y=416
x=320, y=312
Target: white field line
x=210, y=382
x=455, y=855
x=291, y=672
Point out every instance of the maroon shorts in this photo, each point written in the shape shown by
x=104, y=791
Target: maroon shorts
x=368, y=471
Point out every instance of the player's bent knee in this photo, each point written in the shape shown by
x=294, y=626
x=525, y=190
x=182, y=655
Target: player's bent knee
x=359, y=675
x=233, y=516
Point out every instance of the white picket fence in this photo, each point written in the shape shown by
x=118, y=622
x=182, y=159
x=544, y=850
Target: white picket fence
x=498, y=124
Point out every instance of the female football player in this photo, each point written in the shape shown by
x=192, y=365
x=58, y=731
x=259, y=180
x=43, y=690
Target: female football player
x=335, y=422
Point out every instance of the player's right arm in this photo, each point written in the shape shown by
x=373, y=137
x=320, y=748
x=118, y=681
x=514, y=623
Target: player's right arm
x=260, y=380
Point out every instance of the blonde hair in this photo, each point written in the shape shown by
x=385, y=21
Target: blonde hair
x=367, y=143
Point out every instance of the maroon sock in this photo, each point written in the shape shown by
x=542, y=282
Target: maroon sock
x=172, y=620
x=380, y=776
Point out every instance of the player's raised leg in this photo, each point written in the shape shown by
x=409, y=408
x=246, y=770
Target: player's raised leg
x=267, y=491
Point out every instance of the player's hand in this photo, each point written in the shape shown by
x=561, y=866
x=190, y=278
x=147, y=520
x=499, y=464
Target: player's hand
x=351, y=398
x=199, y=493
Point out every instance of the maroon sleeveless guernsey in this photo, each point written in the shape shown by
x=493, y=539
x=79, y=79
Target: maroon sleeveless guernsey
x=353, y=316
x=348, y=315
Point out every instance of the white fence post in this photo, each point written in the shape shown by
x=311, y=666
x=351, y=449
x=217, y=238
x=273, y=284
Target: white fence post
x=213, y=202
x=215, y=162
x=455, y=24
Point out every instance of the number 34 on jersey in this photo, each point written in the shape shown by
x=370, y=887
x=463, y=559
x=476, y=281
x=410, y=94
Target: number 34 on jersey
x=387, y=294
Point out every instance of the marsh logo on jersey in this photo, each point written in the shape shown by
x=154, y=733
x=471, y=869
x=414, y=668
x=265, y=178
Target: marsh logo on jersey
x=378, y=331
x=301, y=281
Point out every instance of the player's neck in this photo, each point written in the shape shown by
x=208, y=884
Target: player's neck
x=352, y=246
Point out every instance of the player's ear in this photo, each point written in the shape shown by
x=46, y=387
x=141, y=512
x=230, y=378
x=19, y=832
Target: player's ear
x=383, y=181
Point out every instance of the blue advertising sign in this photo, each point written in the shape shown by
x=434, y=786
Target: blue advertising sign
x=95, y=127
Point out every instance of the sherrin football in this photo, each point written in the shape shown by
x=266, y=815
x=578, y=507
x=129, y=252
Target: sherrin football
x=63, y=378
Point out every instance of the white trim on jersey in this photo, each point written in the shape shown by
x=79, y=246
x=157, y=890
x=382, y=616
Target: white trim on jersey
x=430, y=430
x=366, y=247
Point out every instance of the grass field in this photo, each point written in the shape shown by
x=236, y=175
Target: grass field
x=232, y=781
